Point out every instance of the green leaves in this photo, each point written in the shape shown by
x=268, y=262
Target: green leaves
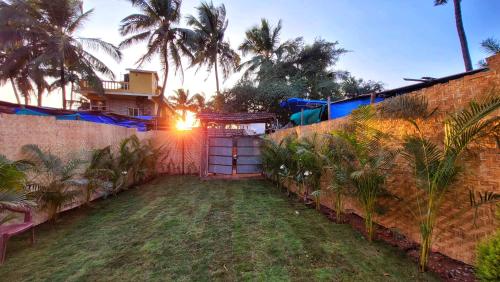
x=436, y=169
x=466, y=125
x=408, y=107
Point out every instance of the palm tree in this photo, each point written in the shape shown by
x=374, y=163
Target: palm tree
x=338, y=157
x=436, y=169
x=461, y=31
x=12, y=180
x=367, y=162
x=264, y=44
x=211, y=48
x=46, y=31
x=8, y=75
x=182, y=102
x=491, y=46
x=54, y=178
x=156, y=25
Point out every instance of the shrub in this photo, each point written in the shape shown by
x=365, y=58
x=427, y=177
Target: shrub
x=488, y=259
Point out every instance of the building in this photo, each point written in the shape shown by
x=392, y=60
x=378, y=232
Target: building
x=137, y=95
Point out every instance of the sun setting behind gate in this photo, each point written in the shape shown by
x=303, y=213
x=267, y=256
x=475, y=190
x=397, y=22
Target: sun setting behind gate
x=187, y=124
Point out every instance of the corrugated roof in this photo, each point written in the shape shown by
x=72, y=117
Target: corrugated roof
x=236, y=117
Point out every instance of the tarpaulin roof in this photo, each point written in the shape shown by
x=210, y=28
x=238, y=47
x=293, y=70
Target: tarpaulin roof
x=140, y=123
x=308, y=116
x=337, y=109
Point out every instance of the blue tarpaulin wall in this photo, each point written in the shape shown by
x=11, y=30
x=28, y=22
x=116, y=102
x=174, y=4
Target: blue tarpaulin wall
x=96, y=118
x=337, y=109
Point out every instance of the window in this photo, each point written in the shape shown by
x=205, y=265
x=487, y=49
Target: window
x=133, y=112
x=97, y=105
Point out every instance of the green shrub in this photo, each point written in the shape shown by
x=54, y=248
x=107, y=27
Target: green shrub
x=488, y=259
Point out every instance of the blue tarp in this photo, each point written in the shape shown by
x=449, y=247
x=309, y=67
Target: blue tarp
x=96, y=118
x=337, y=109
x=28, y=112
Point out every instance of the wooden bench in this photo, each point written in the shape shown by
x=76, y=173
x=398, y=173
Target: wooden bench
x=7, y=231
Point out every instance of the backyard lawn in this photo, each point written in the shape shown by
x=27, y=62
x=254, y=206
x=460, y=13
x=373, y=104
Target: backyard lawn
x=180, y=228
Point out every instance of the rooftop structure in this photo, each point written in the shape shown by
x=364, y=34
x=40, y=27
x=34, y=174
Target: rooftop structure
x=137, y=95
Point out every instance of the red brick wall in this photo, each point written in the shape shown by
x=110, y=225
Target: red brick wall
x=456, y=235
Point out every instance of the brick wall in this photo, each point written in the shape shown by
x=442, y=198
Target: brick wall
x=456, y=235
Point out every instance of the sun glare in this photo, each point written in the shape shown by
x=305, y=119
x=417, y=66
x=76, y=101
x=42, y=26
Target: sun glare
x=187, y=124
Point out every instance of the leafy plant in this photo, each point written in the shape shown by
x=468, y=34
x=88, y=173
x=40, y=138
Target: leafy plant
x=308, y=164
x=54, y=178
x=436, y=169
x=338, y=158
x=488, y=259
x=288, y=168
x=367, y=163
x=274, y=157
x=405, y=106
x=99, y=171
x=12, y=180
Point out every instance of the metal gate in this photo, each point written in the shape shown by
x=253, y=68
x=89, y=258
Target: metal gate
x=220, y=155
x=248, y=152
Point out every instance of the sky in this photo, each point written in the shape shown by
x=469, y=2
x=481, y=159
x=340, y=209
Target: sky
x=388, y=40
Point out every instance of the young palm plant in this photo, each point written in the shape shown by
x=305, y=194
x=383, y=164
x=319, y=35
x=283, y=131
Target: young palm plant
x=368, y=163
x=99, y=171
x=12, y=181
x=274, y=157
x=309, y=165
x=436, y=169
x=288, y=168
x=54, y=178
x=338, y=158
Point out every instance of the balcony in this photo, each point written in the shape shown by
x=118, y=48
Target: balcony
x=108, y=85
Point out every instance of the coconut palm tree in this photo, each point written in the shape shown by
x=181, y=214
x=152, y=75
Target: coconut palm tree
x=263, y=43
x=491, y=46
x=156, y=24
x=8, y=75
x=46, y=31
x=211, y=48
x=461, y=31
x=183, y=102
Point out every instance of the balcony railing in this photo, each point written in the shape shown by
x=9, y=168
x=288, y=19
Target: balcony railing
x=109, y=85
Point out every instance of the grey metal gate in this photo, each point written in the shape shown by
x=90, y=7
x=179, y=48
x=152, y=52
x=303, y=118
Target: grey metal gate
x=249, y=158
x=220, y=155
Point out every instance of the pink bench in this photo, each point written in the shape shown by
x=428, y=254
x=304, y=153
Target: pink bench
x=7, y=231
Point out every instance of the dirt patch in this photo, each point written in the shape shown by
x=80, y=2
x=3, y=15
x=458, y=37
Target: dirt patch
x=445, y=267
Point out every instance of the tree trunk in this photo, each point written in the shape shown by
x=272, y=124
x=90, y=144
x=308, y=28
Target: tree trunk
x=15, y=91
x=39, y=97
x=216, y=74
x=164, y=85
x=462, y=36
x=71, y=96
x=63, y=86
x=26, y=99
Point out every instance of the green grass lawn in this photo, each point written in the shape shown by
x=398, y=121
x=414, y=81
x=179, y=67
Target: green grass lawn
x=179, y=228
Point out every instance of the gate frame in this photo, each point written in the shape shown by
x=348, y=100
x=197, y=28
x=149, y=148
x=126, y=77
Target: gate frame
x=213, y=125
